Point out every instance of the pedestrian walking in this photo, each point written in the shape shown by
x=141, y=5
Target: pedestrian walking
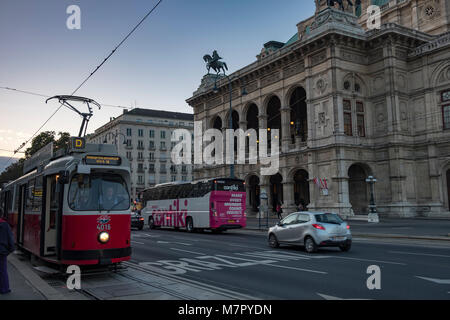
x=6, y=247
x=302, y=206
x=279, y=211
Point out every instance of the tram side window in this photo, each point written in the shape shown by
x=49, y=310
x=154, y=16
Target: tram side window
x=29, y=199
x=16, y=198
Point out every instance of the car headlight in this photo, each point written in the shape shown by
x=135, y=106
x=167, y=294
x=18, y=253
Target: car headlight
x=103, y=237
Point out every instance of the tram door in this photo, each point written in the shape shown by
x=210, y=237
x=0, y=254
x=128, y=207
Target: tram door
x=20, y=220
x=50, y=213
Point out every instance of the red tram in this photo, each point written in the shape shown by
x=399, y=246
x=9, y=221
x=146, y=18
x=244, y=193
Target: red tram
x=72, y=207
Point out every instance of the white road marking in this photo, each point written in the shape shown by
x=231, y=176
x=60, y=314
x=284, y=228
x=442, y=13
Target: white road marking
x=438, y=281
x=369, y=260
x=247, y=247
x=137, y=242
x=199, y=253
x=298, y=269
x=182, y=243
x=421, y=254
x=151, y=235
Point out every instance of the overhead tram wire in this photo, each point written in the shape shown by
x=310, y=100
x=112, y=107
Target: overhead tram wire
x=47, y=96
x=92, y=73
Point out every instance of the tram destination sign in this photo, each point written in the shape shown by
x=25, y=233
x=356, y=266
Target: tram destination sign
x=103, y=160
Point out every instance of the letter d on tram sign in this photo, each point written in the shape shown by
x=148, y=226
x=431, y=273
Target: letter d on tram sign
x=74, y=280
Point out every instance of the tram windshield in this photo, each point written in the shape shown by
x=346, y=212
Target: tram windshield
x=98, y=192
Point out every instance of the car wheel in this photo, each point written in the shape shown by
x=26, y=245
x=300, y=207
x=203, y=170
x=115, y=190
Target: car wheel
x=141, y=227
x=273, y=241
x=310, y=245
x=345, y=247
x=189, y=225
x=151, y=223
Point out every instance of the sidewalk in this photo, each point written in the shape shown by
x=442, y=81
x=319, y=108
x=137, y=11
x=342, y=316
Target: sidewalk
x=21, y=289
x=25, y=284
x=432, y=229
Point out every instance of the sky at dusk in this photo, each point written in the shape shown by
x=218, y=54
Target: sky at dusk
x=158, y=67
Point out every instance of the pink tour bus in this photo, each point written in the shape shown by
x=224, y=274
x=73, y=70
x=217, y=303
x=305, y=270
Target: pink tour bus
x=214, y=204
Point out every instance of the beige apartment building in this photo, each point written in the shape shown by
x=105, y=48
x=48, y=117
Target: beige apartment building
x=144, y=137
x=350, y=102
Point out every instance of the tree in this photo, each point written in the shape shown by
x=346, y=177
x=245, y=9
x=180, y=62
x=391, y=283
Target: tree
x=15, y=170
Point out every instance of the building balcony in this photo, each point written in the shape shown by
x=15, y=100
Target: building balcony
x=152, y=148
x=129, y=147
x=140, y=159
x=140, y=148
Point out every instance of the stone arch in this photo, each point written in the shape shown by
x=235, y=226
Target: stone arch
x=276, y=190
x=358, y=190
x=236, y=118
x=265, y=103
x=217, y=123
x=299, y=114
x=251, y=114
x=300, y=179
x=441, y=74
x=273, y=112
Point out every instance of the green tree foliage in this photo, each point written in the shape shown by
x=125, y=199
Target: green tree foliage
x=15, y=170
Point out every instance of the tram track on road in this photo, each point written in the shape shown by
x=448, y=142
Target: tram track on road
x=225, y=293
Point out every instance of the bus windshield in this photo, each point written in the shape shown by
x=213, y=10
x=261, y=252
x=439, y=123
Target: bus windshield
x=98, y=192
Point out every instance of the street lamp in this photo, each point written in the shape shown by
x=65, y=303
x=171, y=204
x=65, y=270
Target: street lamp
x=230, y=123
x=115, y=135
x=373, y=215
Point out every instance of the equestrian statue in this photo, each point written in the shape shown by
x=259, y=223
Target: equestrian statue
x=214, y=63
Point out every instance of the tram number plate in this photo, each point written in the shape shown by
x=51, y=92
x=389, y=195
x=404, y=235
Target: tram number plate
x=231, y=221
x=104, y=227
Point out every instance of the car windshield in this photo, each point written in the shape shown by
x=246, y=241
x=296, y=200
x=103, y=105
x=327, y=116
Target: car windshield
x=98, y=192
x=329, y=218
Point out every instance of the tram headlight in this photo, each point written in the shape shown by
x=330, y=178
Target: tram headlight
x=103, y=237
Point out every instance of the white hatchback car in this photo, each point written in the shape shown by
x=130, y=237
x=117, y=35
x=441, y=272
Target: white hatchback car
x=312, y=230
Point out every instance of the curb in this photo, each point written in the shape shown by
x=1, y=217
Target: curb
x=373, y=235
x=399, y=236
x=34, y=280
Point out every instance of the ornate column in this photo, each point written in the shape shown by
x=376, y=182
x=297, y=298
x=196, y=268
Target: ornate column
x=265, y=187
x=262, y=119
x=288, y=197
x=285, y=128
x=248, y=191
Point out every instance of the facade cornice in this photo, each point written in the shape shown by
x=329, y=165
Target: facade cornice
x=331, y=37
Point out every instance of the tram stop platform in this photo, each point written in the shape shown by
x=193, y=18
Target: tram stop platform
x=25, y=284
